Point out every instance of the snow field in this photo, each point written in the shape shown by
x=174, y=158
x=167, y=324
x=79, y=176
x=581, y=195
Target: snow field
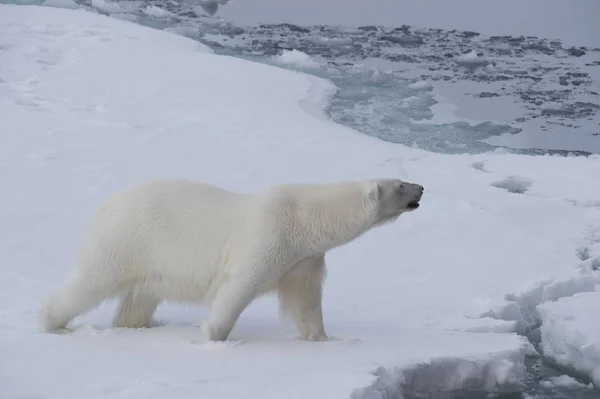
x=95, y=104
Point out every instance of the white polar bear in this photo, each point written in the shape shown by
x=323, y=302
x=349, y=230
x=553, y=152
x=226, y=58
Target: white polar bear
x=182, y=241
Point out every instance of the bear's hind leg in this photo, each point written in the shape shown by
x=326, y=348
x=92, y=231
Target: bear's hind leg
x=75, y=298
x=135, y=310
x=300, y=295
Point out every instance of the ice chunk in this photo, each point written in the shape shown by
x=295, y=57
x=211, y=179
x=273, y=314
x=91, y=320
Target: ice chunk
x=564, y=381
x=421, y=85
x=297, y=59
x=155, y=11
x=109, y=7
x=570, y=332
x=471, y=60
x=332, y=42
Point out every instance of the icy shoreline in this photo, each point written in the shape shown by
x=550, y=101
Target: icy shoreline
x=521, y=94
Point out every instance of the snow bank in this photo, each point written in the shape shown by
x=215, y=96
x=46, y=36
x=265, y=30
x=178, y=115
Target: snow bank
x=91, y=104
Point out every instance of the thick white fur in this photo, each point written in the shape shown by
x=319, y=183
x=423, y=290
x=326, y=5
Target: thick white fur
x=176, y=240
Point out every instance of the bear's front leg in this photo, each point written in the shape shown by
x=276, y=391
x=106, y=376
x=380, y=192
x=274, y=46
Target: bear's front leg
x=300, y=296
x=231, y=300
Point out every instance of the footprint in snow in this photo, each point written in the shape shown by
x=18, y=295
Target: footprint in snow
x=479, y=165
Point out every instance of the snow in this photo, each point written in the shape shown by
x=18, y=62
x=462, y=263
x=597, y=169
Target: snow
x=417, y=306
x=297, y=59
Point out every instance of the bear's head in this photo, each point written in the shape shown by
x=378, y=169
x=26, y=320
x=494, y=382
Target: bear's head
x=393, y=197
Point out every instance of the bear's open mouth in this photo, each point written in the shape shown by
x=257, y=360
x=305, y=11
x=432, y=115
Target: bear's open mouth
x=413, y=205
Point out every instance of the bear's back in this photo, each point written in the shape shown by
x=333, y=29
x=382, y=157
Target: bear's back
x=168, y=219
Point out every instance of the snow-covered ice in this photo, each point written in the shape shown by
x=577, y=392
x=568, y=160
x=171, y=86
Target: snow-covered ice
x=91, y=104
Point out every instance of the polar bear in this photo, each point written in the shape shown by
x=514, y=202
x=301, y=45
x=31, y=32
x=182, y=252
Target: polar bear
x=184, y=241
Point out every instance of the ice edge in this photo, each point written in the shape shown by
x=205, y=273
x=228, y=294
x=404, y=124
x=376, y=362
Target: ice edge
x=523, y=309
x=501, y=372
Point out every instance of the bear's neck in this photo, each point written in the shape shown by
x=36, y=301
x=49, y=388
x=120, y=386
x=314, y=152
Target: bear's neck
x=331, y=219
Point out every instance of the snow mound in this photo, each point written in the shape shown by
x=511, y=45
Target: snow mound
x=513, y=184
x=297, y=59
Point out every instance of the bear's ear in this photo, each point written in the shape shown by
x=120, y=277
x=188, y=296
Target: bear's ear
x=373, y=191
